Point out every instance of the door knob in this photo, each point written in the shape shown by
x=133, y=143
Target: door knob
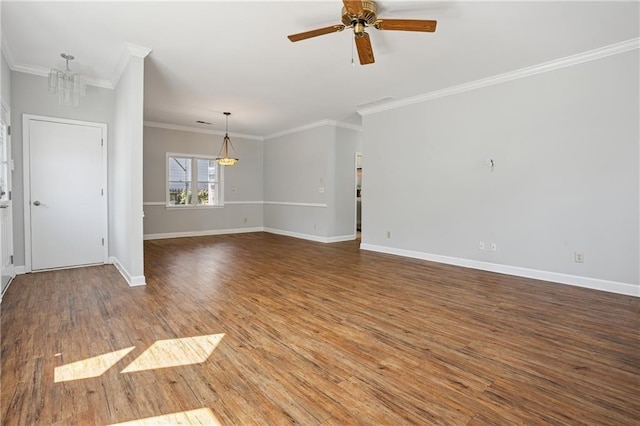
x=36, y=203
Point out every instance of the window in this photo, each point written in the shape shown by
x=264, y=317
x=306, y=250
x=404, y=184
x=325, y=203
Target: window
x=193, y=181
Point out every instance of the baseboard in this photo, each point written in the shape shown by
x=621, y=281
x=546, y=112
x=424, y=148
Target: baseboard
x=246, y=230
x=6, y=288
x=341, y=238
x=133, y=281
x=310, y=237
x=201, y=233
x=575, y=280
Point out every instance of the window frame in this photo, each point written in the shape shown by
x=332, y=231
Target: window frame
x=194, y=181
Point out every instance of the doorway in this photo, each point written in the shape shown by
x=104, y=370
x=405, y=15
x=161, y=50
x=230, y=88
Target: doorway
x=358, y=195
x=65, y=187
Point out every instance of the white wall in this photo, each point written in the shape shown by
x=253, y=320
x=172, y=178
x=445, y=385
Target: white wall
x=243, y=190
x=566, y=176
x=30, y=94
x=125, y=172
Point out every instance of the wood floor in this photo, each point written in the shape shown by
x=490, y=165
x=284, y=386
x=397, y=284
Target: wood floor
x=285, y=331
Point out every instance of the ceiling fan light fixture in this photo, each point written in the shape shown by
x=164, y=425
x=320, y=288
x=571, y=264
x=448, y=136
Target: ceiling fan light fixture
x=68, y=85
x=224, y=159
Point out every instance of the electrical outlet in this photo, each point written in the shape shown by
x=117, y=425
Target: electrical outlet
x=245, y=220
x=579, y=257
x=388, y=234
x=494, y=247
x=481, y=245
x=321, y=189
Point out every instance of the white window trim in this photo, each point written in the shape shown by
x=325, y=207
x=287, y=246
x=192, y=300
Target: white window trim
x=192, y=206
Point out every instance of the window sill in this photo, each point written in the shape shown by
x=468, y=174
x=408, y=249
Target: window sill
x=205, y=207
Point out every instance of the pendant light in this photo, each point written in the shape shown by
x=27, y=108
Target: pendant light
x=68, y=85
x=223, y=155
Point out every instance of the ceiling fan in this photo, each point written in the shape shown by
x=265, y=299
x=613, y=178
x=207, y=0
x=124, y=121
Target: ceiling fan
x=360, y=14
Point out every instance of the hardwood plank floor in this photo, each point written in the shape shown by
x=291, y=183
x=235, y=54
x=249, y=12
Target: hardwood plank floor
x=314, y=334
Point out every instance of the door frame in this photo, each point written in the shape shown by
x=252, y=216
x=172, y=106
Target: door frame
x=357, y=165
x=26, y=159
x=6, y=116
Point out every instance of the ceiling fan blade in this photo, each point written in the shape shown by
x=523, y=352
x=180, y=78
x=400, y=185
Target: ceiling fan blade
x=365, y=51
x=354, y=7
x=406, y=25
x=315, y=33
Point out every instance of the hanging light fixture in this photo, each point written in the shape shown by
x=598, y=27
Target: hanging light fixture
x=223, y=155
x=69, y=86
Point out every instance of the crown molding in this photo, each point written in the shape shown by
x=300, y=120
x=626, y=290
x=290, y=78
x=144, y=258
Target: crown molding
x=314, y=125
x=568, y=61
x=27, y=69
x=180, y=128
x=138, y=51
x=128, y=51
x=348, y=126
x=98, y=82
x=44, y=72
x=299, y=129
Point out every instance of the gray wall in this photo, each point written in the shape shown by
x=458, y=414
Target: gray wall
x=5, y=78
x=242, y=184
x=30, y=95
x=296, y=167
x=566, y=176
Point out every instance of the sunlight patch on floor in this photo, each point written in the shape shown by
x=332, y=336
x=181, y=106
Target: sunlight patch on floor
x=175, y=353
x=200, y=416
x=90, y=367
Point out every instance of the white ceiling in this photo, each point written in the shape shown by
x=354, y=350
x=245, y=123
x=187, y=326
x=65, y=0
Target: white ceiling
x=214, y=56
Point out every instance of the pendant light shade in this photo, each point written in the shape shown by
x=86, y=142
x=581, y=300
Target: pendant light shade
x=224, y=159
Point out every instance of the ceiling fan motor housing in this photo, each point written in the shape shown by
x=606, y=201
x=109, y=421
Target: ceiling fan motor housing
x=368, y=17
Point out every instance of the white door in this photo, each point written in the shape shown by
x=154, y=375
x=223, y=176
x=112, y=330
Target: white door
x=66, y=202
x=6, y=224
